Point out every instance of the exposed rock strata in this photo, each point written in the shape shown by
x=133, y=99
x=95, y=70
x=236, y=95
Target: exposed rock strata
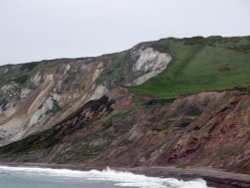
x=205, y=130
x=43, y=94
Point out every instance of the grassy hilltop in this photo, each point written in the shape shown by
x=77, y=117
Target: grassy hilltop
x=201, y=64
x=78, y=111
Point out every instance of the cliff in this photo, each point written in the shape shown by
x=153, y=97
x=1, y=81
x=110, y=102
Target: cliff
x=173, y=102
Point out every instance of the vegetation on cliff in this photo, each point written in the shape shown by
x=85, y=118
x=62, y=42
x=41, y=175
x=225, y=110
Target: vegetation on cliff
x=200, y=64
x=182, y=102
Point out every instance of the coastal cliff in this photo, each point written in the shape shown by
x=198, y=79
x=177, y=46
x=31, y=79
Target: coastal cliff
x=173, y=102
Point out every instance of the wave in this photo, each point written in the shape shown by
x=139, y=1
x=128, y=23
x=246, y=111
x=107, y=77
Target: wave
x=119, y=178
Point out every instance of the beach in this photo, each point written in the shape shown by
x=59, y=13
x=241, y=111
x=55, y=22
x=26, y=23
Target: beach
x=213, y=177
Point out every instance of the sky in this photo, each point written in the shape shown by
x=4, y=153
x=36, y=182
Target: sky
x=33, y=30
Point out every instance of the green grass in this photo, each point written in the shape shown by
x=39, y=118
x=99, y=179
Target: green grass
x=199, y=64
x=202, y=64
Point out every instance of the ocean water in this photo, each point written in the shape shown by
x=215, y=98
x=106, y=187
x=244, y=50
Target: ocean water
x=29, y=177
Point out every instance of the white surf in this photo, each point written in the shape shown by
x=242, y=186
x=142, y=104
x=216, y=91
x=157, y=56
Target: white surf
x=119, y=178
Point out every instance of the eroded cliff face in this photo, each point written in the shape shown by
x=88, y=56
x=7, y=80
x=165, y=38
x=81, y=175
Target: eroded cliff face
x=36, y=96
x=209, y=129
x=81, y=110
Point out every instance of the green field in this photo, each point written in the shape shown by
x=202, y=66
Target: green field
x=200, y=64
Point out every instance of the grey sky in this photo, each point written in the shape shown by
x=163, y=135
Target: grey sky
x=46, y=29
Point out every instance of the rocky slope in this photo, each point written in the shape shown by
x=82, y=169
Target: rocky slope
x=121, y=129
x=83, y=111
x=38, y=95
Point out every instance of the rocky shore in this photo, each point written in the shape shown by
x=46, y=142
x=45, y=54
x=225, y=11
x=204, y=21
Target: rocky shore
x=215, y=178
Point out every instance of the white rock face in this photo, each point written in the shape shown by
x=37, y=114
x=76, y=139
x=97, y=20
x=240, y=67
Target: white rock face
x=67, y=68
x=149, y=64
x=98, y=71
x=36, y=79
x=10, y=131
x=25, y=92
x=99, y=92
x=39, y=115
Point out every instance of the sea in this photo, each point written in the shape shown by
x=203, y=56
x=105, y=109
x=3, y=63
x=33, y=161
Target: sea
x=35, y=177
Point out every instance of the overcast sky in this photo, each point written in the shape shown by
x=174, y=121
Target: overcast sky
x=45, y=29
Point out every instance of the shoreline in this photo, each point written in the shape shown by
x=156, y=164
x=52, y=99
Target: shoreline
x=214, y=178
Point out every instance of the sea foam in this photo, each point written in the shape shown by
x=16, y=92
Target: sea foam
x=119, y=178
